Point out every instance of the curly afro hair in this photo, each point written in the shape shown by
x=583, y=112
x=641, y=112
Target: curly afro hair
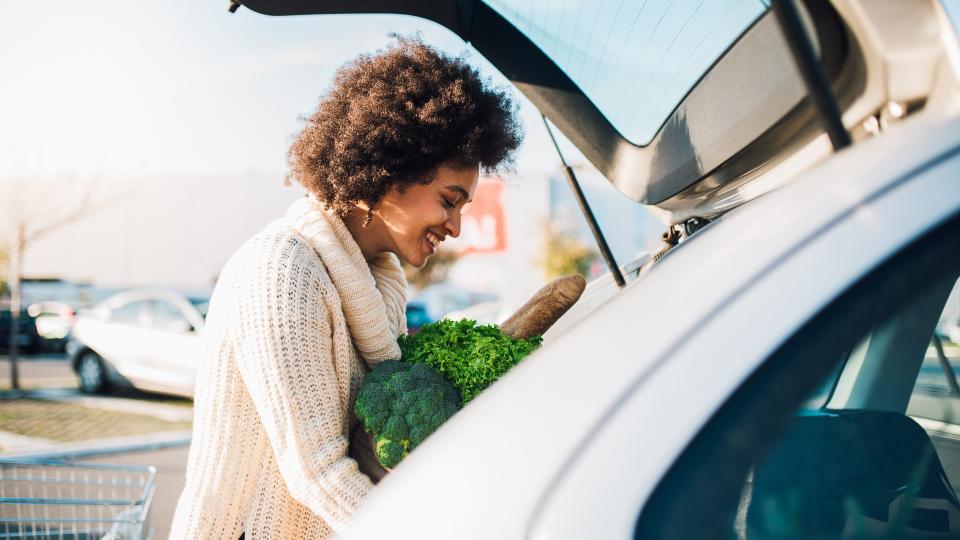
x=392, y=118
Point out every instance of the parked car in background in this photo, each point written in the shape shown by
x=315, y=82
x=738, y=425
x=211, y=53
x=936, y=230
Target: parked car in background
x=417, y=316
x=28, y=340
x=53, y=321
x=755, y=381
x=484, y=313
x=444, y=297
x=147, y=339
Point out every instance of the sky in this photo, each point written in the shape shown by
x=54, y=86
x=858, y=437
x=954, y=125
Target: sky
x=183, y=87
x=185, y=112
x=179, y=114
x=178, y=87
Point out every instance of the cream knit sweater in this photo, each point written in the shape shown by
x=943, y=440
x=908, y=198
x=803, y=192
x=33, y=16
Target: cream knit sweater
x=295, y=314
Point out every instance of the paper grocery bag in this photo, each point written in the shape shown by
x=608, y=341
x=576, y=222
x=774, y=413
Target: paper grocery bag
x=361, y=450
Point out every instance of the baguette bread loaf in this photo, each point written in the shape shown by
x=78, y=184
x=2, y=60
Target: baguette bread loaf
x=545, y=308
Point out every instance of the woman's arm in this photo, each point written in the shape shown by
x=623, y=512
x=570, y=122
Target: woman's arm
x=285, y=355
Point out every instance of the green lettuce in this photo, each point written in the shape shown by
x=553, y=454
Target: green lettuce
x=469, y=355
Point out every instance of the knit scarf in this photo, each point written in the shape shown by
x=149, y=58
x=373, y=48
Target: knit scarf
x=372, y=295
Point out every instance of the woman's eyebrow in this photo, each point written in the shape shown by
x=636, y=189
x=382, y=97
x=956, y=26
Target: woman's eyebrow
x=462, y=192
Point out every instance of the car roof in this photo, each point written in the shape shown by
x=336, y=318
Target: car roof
x=131, y=295
x=541, y=411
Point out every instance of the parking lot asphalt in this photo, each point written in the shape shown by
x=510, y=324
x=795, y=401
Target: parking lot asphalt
x=55, y=422
x=171, y=464
x=39, y=371
x=51, y=418
x=49, y=410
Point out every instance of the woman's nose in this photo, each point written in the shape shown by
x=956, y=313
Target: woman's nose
x=453, y=224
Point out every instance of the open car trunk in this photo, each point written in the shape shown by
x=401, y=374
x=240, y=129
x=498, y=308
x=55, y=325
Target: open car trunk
x=694, y=108
x=722, y=96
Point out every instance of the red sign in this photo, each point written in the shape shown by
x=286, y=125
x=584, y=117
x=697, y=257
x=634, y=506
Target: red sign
x=482, y=226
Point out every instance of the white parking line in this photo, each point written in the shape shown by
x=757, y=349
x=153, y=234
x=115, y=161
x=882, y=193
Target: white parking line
x=98, y=447
x=14, y=442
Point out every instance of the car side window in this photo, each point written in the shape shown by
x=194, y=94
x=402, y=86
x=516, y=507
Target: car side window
x=135, y=313
x=169, y=317
x=825, y=440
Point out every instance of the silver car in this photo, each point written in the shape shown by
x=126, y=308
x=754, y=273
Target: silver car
x=147, y=339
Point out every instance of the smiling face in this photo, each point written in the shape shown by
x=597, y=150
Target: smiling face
x=414, y=222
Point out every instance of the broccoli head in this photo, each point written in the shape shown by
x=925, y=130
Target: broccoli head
x=389, y=452
x=400, y=404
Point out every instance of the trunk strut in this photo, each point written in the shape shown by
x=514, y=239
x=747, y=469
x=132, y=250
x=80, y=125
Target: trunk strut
x=587, y=212
x=809, y=65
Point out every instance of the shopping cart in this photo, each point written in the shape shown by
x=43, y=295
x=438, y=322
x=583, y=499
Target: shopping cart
x=75, y=502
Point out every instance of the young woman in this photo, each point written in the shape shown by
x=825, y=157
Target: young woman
x=308, y=305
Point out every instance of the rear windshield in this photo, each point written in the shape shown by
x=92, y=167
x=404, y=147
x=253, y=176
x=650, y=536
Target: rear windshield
x=635, y=60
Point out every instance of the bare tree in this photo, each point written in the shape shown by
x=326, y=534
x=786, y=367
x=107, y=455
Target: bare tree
x=4, y=260
x=35, y=210
x=563, y=254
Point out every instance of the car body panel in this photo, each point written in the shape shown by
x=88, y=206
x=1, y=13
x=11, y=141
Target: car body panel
x=543, y=410
x=671, y=403
x=170, y=362
x=28, y=338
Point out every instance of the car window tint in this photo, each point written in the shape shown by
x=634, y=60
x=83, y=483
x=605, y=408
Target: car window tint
x=860, y=472
x=169, y=317
x=948, y=327
x=635, y=60
x=134, y=313
x=820, y=397
x=936, y=397
x=776, y=463
x=940, y=365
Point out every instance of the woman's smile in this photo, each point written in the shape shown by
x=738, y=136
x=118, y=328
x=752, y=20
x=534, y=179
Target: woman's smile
x=433, y=241
x=412, y=223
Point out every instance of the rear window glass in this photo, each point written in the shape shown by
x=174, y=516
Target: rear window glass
x=635, y=60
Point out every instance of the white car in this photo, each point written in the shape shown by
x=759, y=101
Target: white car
x=148, y=339
x=760, y=379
